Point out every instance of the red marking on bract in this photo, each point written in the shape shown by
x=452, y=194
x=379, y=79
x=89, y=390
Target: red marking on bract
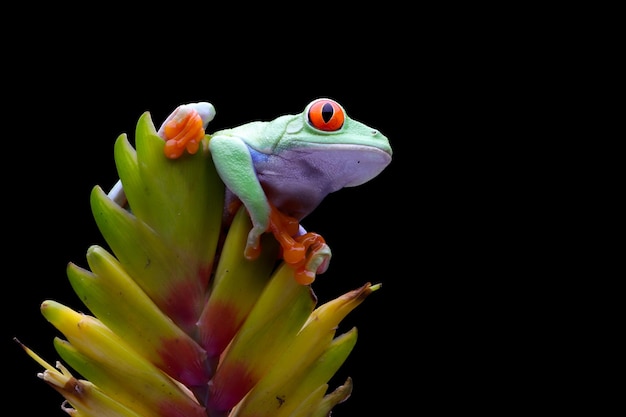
x=204, y=274
x=184, y=361
x=184, y=303
x=230, y=384
x=218, y=325
x=170, y=409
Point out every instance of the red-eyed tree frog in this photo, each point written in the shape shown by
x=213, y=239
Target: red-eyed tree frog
x=282, y=169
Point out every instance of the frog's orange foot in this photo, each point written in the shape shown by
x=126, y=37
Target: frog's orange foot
x=316, y=259
x=184, y=131
x=308, y=254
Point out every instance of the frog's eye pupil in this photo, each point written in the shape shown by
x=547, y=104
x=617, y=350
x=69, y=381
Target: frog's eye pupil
x=327, y=112
x=326, y=115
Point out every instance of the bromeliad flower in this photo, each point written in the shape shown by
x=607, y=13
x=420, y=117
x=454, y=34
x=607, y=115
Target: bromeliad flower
x=182, y=320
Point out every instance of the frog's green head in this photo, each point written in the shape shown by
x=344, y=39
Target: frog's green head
x=325, y=121
x=325, y=133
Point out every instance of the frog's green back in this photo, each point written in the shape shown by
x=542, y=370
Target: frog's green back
x=260, y=135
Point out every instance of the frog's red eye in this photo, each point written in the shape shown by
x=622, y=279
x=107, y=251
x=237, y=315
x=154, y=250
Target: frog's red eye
x=325, y=114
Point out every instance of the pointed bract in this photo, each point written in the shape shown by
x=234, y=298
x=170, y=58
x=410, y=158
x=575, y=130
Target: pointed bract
x=329, y=401
x=237, y=286
x=182, y=200
x=112, y=360
x=114, y=298
x=274, y=321
x=293, y=384
x=176, y=286
x=84, y=399
x=168, y=243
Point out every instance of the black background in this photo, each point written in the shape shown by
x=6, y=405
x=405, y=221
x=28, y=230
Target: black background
x=67, y=112
x=428, y=228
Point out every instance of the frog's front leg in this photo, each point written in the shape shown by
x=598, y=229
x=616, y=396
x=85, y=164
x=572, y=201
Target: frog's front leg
x=185, y=127
x=307, y=253
x=235, y=167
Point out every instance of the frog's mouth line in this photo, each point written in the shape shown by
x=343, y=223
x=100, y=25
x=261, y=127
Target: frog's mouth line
x=304, y=146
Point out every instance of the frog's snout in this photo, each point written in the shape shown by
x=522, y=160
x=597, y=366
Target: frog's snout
x=366, y=166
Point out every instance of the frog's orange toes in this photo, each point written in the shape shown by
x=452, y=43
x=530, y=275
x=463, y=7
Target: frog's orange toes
x=284, y=227
x=313, y=256
x=316, y=261
x=307, y=254
x=319, y=257
x=318, y=252
x=304, y=276
x=183, y=132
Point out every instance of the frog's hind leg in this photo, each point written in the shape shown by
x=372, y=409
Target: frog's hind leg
x=117, y=194
x=183, y=129
x=306, y=252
